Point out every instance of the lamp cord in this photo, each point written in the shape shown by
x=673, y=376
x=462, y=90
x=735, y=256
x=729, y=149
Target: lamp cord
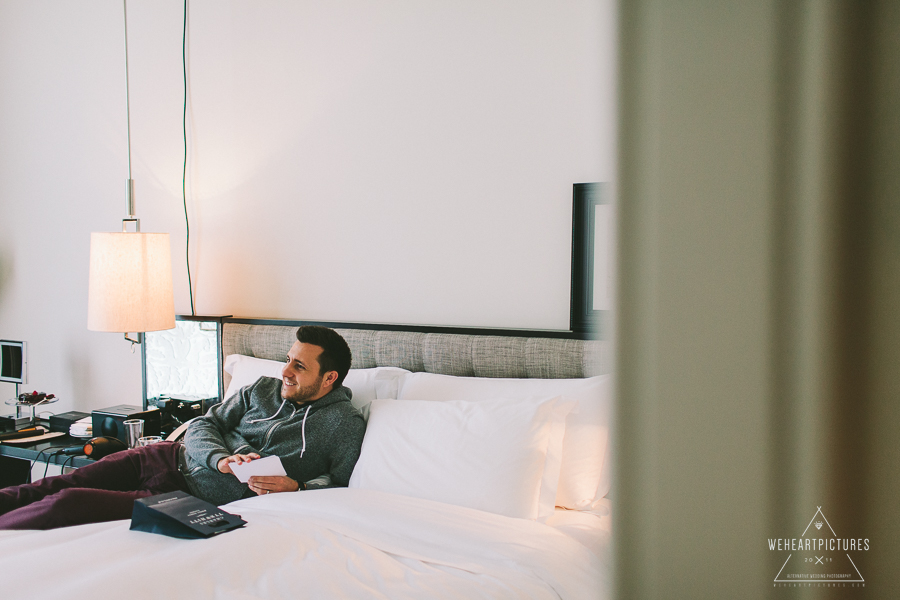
x=187, y=225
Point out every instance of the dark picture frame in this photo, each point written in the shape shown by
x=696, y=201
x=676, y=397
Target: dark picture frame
x=583, y=317
x=13, y=362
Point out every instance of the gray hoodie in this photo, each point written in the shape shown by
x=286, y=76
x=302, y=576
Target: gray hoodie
x=320, y=438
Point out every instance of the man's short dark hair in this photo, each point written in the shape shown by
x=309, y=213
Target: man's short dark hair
x=335, y=355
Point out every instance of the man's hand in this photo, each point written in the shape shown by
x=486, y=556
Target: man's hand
x=224, y=465
x=276, y=483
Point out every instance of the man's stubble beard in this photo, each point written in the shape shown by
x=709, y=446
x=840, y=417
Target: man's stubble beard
x=301, y=394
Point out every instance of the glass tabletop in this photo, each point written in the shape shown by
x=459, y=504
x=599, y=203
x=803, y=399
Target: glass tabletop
x=17, y=402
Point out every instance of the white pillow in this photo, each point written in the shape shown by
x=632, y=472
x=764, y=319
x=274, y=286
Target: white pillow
x=245, y=370
x=584, y=474
x=366, y=384
x=489, y=455
x=378, y=382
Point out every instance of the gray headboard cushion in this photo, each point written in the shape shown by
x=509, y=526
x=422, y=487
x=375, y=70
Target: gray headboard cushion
x=444, y=353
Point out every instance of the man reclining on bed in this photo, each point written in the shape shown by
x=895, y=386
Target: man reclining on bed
x=305, y=418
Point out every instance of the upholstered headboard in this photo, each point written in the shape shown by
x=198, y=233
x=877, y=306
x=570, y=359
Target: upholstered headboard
x=445, y=350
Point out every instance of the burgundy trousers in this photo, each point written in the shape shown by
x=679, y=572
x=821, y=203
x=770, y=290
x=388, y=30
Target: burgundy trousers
x=103, y=491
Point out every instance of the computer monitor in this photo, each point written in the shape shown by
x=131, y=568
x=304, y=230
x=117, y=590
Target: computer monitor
x=12, y=361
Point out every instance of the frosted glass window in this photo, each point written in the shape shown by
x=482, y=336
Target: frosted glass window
x=183, y=361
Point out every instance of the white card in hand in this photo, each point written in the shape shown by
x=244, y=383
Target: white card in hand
x=268, y=466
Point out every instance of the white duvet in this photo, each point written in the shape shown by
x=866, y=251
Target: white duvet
x=335, y=543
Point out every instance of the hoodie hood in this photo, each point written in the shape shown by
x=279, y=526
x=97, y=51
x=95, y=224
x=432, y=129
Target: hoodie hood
x=338, y=394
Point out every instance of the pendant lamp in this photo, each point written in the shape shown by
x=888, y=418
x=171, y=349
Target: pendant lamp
x=130, y=282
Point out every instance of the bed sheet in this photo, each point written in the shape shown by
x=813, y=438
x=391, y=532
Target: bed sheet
x=334, y=543
x=592, y=529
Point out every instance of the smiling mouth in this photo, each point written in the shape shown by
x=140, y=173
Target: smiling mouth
x=288, y=383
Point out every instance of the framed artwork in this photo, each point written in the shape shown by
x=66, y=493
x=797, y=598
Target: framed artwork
x=592, y=254
x=13, y=362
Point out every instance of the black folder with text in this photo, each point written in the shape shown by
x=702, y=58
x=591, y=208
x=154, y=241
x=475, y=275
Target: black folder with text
x=180, y=515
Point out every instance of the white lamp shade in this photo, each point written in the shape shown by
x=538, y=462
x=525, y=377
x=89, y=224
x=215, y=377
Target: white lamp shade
x=130, y=287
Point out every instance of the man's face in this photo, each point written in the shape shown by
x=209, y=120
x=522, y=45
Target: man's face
x=301, y=378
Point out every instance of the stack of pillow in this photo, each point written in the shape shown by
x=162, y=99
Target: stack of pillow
x=517, y=447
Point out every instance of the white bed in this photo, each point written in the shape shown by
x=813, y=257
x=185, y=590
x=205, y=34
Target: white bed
x=335, y=543
x=453, y=495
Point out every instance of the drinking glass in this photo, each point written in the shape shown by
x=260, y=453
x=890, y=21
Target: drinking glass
x=134, y=429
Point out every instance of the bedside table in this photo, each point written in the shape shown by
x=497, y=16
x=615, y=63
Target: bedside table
x=16, y=459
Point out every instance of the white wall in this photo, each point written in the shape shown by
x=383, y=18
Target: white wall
x=404, y=162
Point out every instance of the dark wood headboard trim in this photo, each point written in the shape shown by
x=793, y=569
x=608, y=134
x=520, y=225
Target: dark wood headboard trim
x=533, y=333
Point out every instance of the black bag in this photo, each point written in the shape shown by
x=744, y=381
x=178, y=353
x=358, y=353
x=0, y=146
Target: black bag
x=181, y=515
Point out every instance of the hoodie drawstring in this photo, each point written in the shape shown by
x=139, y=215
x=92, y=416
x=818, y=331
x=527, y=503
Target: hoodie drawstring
x=303, y=430
x=302, y=427
x=273, y=416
